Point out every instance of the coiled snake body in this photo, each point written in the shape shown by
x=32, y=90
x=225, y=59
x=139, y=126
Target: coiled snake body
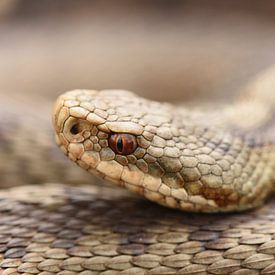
x=196, y=159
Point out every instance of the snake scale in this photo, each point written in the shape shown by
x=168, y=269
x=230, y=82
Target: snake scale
x=195, y=159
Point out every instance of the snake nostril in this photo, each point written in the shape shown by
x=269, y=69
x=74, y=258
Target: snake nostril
x=75, y=129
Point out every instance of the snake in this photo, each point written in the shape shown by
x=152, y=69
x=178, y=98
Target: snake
x=202, y=161
x=200, y=174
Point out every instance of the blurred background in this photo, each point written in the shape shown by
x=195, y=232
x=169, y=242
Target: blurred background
x=166, y=50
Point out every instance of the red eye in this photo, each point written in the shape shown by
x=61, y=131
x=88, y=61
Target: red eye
x=123, y=144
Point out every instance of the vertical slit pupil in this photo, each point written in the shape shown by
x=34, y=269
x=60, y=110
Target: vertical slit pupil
x=119, y=144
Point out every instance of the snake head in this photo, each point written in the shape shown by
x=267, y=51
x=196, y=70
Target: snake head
x=113, y=134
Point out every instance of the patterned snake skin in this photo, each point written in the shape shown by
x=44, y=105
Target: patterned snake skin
x=194, y=159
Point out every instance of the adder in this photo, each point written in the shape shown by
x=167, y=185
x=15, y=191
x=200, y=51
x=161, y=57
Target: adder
x=194, y=158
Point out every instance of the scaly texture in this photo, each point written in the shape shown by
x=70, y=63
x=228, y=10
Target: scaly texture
x=200, y=161
x=90, y=230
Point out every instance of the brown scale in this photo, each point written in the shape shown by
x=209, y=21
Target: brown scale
x=57, y=229
x=223, y=197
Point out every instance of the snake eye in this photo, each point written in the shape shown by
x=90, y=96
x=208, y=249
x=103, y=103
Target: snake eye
x=123, y=144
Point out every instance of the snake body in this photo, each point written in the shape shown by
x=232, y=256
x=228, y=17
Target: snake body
x=202, y=161
x=196, y=158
